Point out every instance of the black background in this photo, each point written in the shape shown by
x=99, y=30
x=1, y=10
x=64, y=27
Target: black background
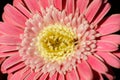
x=114, y=9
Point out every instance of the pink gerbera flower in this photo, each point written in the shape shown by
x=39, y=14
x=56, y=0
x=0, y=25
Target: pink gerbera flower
x=59, y=40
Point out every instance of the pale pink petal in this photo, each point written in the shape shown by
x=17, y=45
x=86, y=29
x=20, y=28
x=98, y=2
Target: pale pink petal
x=16, y=2
x=32, y=5
x=102, y=13
x=70, y=6
x=108, y=29
x=7, y=54
x=61, y=77
x=117, y=54
x=30, y=76
x=8, y=48
x=44, y=76
x=72, y=75
x=82, y=5
x=15, y=76
x=96, y=64
x=16, y=68
x=9, y=76
x=25, y=73
x=9, y=40
x=13, y=60
x=106, y=46
x=10, y=29
x=44, y=3
x=85, y=71
x=110, y=59
x=109, y=76
x=113, y=38
x=19, y=19
x=54, y=77
x=58, y=4
x=23, y=10
x=113, y=19
x=92, y=9
x=1, y=60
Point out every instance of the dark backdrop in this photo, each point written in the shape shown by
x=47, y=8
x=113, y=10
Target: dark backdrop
x=115, y=9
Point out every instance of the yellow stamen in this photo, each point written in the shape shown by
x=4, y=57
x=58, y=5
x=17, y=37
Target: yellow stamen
x=56, y=42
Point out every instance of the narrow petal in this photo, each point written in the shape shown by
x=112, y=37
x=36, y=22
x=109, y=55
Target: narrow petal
x=9, y=40
x=72, y=75
x=16, y=2
x=30, y=76
x=108, y=29
x=10, y=29
x=11, y=62
x=17, y=17
x=61, y=77
x=82, y=5
x=112, y=38
x=70, y=6
x=16, y=68
x=92, y=9
x=32, y=5
x=25, y=72
x=85, y=71
x=113, y=19
x=110, y=59
x=117, y=54
x=102, y=13
x=54, y=77
x=15, y=76
x=44, y=76
x=1, y=60
x=106, y=46
x=58, y=4
x=96, y=64
x=44, y=3
x=23, y=10
x=7, y=54
x=8, y=48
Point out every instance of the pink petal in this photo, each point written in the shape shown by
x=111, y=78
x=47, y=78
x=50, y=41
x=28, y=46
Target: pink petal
x=72, y=75
x=54, y=77
x=25, y=73
x=110, y=59
x=70, y=6
x=32, y=5
x=102, y=13
x=44, y=76
x=10, y=29
x=23, y=10
x=8, y=48
x=117, y=54
x=113, y=19
x=108, y=29
x=9, y=40
x=92, y=9
x=82, y=5
x=8, y=54
x=106, y=46
x=16, y=68
x=85, y=71
x=30, y=76
x=44, y=3
x=16, y=2
x=1, y=60
x=61, y=77
x=58, y=4
x=11, y=61
x=15, y=76
x=113, y=38
x=16, y=17
x=96, y=64
x=109, y=76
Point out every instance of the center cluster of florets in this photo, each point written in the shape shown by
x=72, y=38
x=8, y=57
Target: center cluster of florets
x=56, y=42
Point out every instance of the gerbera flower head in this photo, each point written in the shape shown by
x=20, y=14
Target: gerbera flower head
x=59, y=40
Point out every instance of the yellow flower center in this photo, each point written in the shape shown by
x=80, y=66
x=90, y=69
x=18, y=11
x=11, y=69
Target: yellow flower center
x=56, y=42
